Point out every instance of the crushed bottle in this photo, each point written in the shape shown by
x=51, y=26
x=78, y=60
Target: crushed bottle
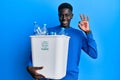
x=44, y=30
x=37, y=30
x=40, y=30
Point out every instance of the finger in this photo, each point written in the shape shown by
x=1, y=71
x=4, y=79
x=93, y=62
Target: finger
x=79, y=25
x=81, y=16
x=84, y=17
x=39, y=76
x=36, y=68
x=88, y=18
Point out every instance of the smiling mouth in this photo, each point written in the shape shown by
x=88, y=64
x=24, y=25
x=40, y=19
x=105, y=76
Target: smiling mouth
x=64, y=22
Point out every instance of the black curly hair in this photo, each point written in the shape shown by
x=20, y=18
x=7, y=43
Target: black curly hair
x=65, y=5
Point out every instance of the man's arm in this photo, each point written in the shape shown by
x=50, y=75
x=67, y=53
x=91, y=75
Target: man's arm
x=89, y=44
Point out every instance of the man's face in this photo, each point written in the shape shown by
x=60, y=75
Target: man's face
x=65, y=16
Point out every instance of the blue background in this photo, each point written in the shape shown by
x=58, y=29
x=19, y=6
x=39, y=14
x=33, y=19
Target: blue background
x=16, y=25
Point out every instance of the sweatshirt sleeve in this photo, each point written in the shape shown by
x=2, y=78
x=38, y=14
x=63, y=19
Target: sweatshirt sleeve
x=89, y=45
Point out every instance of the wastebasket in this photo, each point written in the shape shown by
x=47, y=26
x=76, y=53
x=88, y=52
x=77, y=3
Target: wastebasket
x=50, y=51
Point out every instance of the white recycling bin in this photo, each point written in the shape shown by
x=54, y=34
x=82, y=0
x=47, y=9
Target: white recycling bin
x=50, y=51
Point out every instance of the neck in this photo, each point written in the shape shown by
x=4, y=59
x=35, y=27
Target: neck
x=65, y=26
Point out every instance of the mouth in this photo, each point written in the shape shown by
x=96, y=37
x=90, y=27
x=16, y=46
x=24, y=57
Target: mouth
x=64, y=22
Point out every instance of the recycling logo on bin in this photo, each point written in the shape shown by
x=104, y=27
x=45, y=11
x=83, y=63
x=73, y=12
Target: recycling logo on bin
x=44, y=45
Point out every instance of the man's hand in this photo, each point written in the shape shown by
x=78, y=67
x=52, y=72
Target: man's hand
x=33, y=72
x=84, y=24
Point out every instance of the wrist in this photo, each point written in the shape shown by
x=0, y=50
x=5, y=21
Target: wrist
x=87, y=32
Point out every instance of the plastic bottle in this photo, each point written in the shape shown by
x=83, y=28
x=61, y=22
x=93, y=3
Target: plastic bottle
x=37, y=30
x=44, y=30
x=62, y=31
x=53, y=33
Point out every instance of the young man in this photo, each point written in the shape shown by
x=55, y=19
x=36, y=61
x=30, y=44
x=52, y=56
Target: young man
x=78, y=41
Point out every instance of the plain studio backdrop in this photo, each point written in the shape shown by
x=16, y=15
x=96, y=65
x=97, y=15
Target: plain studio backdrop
x=16, y=25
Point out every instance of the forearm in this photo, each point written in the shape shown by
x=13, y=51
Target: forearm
x=90, y=46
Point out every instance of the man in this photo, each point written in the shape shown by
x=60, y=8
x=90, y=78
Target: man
x=79, y=39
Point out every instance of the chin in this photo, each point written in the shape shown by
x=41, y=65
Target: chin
x=65, y=26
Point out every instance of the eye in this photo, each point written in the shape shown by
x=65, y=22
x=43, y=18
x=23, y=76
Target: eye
x=67, y=15
x=60, y=15
x=64, y=15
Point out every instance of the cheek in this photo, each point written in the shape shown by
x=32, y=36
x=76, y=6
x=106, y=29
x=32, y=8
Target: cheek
x=60, y=18
x=69, y=19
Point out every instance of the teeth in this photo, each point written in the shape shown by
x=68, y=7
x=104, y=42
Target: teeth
x=65, y=22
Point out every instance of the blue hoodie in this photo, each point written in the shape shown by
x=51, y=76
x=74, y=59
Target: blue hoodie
x=78, y=41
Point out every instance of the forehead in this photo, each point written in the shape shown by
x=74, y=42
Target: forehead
x=65, y=10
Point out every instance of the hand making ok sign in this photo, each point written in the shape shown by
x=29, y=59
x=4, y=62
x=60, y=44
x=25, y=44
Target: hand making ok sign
x=84, y=23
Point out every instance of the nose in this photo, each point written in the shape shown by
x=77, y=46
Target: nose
x=64, y=17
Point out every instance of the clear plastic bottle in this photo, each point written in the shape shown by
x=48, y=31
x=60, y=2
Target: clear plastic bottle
x=62, y=31
x=37, y=30
x=44, y=30
x=53, y=33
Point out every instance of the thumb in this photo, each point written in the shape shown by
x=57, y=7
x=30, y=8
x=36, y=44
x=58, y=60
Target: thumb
x=37, y=68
